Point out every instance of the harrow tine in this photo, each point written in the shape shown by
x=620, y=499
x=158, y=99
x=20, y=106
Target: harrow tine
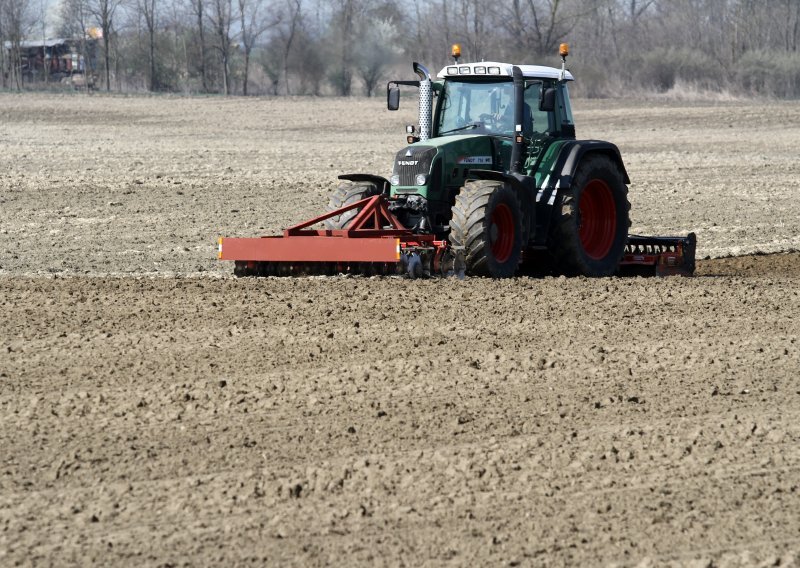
x=659, y=256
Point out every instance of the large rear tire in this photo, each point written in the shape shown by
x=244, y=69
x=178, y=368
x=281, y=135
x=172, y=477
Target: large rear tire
x=348, y=192
x=592, y=220
x=487, y=222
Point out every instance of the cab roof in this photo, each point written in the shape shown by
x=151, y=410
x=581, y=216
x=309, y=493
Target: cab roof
x=497, y=69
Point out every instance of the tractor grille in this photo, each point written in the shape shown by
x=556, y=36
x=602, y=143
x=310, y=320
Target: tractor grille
x=412, y=161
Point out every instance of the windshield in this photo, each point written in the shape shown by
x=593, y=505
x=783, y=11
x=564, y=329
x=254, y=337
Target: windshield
x=477, y=108
x=488, y=108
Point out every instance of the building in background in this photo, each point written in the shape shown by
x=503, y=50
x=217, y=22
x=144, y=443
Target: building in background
x=66, y=60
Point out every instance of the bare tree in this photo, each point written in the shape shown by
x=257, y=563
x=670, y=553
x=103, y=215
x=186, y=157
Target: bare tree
x=253, y=25
x=375, y=53
x=221, y=17
x=41, y=20
x=147, y=8
x=104, y=11
x=636, y=8
x=344, y=18
x=790, y=17
x=269, y=63
x=177, y=23
x=542, y=24
x=15, y=21
x=474, y=27
x=198, y=9
x=287, y=33
x=3, y=35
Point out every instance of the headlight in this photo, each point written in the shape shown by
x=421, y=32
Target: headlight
x=421, y=179
x=394, y=180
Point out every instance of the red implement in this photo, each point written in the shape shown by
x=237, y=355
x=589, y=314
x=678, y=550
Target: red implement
x=374, y=242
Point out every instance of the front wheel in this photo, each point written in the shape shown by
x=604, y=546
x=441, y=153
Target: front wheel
x=487, y=223
x=592, y=220
x=348, y=192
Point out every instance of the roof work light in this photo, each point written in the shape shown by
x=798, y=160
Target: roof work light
x=455, y=51
x=563, y=51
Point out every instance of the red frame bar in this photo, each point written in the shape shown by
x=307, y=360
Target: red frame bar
x=366, y=239
x=310, y=249
x=369, y=222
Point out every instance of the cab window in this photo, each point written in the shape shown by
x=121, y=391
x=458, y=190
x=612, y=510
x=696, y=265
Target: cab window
x=541, y=122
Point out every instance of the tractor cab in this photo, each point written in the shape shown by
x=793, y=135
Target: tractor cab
x=475, y=117
x=474, y=100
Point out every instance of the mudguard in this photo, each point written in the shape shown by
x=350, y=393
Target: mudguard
x=559, y=178
x=517, y=181
x=573, y=153
x=380, y=182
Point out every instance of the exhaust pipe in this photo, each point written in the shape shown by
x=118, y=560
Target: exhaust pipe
x=425, y=96
x=518, y=149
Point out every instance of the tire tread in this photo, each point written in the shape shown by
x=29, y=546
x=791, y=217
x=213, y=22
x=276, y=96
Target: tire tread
x=565, y=247
x=468, y=228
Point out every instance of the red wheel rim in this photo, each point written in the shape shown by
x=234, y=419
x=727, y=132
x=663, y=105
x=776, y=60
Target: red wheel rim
x=598, y=219
x=502, y=232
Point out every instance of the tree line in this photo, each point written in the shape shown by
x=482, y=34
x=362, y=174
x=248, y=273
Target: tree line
x=347, y=47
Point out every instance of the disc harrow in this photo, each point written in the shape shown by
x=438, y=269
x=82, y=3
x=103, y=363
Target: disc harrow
x=374, y=243
x=413, y=263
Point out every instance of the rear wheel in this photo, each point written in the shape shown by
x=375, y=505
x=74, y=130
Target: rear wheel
x=487, y=222
x=348, y=192
x=592, y=220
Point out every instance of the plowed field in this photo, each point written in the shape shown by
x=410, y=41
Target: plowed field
x=156, y=411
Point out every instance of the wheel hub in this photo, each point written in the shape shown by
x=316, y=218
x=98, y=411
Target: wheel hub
x=501, y=232
x=598, y=219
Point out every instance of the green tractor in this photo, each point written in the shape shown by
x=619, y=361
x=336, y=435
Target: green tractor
x=495, y=169
x=493, y=183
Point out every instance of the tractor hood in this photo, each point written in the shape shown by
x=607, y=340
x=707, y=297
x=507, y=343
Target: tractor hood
x=429, y=166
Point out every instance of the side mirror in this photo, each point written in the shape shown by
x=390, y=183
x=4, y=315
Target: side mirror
x=392, y=97
x=547, y=102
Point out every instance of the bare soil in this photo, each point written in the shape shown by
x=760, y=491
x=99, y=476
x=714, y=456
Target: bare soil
x=156, y=411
